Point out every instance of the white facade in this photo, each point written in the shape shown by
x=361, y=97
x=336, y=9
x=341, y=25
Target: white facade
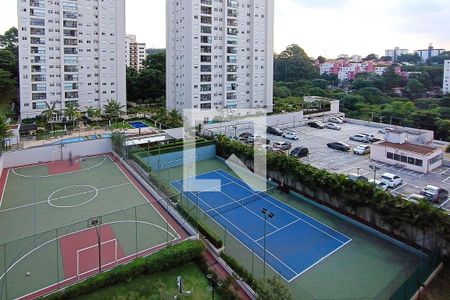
x=134, y=52
x=395, y=53
x=219, y=54
x=71, y=52
x=446, y=83
x=426, y=54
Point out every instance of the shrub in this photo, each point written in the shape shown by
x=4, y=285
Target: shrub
x=448, y=148
x=166, y=258
x=240, y=270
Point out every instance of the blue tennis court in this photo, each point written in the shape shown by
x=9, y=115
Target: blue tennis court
x=295, y=242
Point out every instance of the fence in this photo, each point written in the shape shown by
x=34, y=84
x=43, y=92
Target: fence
x=48, y=261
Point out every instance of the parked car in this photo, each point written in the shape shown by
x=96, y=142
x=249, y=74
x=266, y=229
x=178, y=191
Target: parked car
x=336, y=120
x=415, y=198
x=391, y=180
x=268, y=148
x=282, y=146
x=316, y=124
x=359, y=138
x=299, y=152
x=245, y=136
x=356, y=177
x=385, y=130
x=379, y=184
x=333, y=126
x=260, y=140
x=339, y=146
x=291, y=135
x=361, y=150
x=434, y=194
x=274, y=131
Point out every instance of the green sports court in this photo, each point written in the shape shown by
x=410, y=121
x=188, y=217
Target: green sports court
x=62, y=222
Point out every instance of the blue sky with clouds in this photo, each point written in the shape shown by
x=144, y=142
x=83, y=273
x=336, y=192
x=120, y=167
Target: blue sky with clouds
x=321, y=27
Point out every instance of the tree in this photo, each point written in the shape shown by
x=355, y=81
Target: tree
x=371, y=56
x=321, y=59
x=8, y=62
x=10, y=40
x=156, y=61
x=281, y=91
x=409, y=58
x=49, y=113
x=386, y=58
x=272, y=289
x=72, y=112
x=294, y=64
x=4, y=131
x=7, y=86
x=391, y=79
x=174, y=119
x=373, y=95
x=113, y=109
x=414, y=89
x=440, y=59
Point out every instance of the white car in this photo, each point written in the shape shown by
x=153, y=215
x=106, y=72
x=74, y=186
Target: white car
x=415, y=198
x=361, y=150
x=380, y=184
x=336, y=120
x=333, y=126
x=385, y=130
x=360, y=138
x=290, y=135
x=391, y=180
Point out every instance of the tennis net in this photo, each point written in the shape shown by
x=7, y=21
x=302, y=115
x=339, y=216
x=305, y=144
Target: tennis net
x=235, y=204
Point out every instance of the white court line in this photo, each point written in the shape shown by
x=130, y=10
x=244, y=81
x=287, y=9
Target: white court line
x=47, y=176
x=85, y=229
x=4, y=188
x=228, y=221
x=79, y=194
x=299, y=217
x=145, y=198
x=90, y=247
x=279, y=229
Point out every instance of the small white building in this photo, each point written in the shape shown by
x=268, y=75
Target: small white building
x=397, y=150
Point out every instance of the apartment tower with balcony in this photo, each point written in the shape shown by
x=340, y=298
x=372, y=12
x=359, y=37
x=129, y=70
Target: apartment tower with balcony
x=134, y=53
x=71, y=51
x=220, y=54
x=446, y=80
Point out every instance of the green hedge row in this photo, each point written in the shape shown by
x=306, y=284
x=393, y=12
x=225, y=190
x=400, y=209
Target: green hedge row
x=136, y=156
x=202, y=228
x=240, y=270
x=169, y=257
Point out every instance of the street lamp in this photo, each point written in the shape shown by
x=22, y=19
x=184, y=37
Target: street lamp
x=213, y=284
x=267, y=214
x=374, y=168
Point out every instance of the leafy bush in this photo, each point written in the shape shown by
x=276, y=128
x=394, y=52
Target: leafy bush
x=136, y=156
x=240, y=270
x=448, y=148
x=166, y=258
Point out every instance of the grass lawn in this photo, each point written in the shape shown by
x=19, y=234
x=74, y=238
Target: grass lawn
x=161, y=285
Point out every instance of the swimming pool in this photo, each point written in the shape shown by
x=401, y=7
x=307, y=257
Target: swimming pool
x=70, y=141
x=138, y=124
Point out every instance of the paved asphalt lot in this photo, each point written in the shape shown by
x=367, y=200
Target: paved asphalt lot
x=340, y=162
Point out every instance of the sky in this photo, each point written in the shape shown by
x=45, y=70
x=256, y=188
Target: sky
x=321, y=27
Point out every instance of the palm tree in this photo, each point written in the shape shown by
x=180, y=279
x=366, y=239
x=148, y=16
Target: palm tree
x=49, y=112
x=174, y=119
x=113, y=109
x=72, y=112
x=4, y=131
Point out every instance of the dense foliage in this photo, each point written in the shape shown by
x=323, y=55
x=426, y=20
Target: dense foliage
x=169, y=257
x=9, y=71
x=350, y=197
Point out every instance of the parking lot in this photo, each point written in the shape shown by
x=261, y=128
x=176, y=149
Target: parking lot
x=341, y=162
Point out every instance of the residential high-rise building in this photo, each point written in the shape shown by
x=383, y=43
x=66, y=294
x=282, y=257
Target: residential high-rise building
x=446, y=83
x=134, y=52
x=71, y=51
x=426, y=54
x=219, y=54
x=396, y=52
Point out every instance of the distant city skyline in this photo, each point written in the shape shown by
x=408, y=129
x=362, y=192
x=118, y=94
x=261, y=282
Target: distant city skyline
x=320, y=27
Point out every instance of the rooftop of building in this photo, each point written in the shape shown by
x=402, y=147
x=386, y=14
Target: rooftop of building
x=420, y=149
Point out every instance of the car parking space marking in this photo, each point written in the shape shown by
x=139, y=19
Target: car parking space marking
x=399, y=187
x=446, y=180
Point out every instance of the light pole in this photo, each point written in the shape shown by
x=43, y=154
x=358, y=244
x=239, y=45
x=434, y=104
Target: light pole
x=213, y=284
x=374, y=168
x=267, y=214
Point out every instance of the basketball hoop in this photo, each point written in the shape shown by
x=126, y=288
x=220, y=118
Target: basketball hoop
x=94, y=222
